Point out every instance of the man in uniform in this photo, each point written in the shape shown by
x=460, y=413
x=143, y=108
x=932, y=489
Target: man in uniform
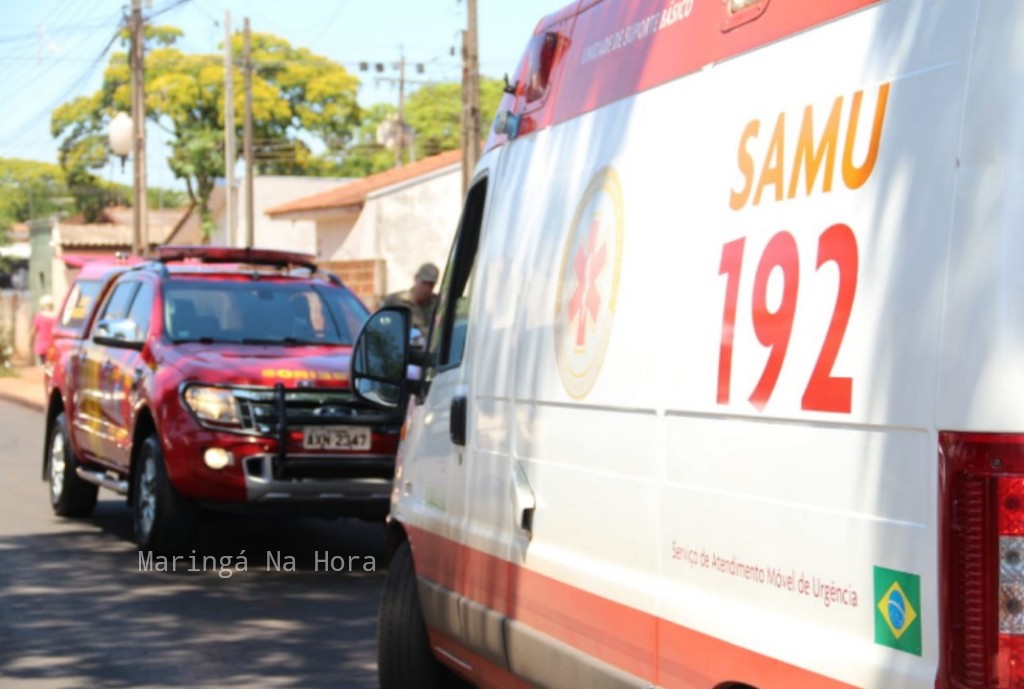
x=420, y=298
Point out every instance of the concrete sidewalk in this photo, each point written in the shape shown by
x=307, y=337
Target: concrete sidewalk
x=24, y=388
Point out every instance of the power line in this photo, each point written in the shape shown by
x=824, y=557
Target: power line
x=174, y=5
x=26, y=76
x=90, y=70
x=328, y=24
x=74, y=87
x=33, y=36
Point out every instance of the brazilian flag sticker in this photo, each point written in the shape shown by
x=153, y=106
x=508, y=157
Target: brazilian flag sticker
x=898, y=610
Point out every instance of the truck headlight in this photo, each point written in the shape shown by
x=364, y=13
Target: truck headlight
x=215, y=405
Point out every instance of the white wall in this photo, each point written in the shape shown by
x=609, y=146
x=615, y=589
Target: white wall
x=291, y=235
x=406, y=225
x=332, y=238
x=268, y=233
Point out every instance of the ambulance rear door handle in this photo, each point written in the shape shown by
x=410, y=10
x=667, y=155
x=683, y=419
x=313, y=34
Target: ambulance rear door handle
x=457, y=424
x=523, y=499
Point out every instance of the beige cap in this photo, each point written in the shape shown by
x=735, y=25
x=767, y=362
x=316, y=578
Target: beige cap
x=428, y=272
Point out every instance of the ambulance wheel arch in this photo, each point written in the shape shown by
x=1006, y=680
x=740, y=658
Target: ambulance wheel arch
x=394, y=537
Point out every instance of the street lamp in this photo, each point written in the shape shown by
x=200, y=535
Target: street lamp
x=120, y=134
x=128, y=133
x=123, y=139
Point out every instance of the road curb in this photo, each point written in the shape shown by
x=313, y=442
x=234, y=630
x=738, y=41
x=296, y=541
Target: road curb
x=22, y=402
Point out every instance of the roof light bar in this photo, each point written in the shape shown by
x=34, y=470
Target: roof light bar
x=221, y=254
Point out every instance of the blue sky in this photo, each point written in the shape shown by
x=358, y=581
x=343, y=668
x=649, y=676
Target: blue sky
x=53, y=50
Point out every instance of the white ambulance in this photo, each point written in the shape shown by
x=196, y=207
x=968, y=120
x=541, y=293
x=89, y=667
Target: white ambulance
x=726, y=384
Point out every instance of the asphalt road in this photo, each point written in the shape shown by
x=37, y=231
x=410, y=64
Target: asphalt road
x=77, y=612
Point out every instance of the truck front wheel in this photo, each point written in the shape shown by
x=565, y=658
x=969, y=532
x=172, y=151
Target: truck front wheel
x=70, y=496
x=165, y=521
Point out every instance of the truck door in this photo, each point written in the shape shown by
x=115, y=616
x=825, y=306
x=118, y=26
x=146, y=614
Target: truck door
x=95, y=384
x=127, y=372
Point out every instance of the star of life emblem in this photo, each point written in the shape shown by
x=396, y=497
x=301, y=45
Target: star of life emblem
x=588, y=284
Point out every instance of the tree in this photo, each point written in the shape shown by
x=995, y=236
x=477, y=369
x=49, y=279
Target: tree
x=296, y=96
x=28, y=189
x=363, y=156
x=435, y=114
x=31, y=189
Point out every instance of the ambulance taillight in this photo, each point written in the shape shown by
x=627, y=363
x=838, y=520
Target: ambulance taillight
x=1011, y=581
x=982, y=477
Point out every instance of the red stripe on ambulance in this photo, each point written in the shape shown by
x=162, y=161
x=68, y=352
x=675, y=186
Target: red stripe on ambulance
x=631, y=640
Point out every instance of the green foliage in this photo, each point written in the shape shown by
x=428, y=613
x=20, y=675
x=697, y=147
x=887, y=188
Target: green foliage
x=28, y=189
x=364, y=156
x=435, y=113
x=91, y=195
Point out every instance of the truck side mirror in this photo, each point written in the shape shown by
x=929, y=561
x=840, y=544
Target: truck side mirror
x=380, y=357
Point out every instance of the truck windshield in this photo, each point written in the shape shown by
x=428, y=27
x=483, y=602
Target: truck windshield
x=260, y=313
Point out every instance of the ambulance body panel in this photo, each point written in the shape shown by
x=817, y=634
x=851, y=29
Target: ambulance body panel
x=726, y=299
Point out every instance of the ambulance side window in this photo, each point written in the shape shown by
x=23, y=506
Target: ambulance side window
x=448, y=338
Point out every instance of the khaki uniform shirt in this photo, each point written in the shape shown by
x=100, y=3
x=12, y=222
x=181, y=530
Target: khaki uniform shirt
x=421, y=313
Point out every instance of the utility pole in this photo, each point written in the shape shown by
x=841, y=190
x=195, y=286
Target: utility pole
x=140, y=232
x=229, y=135
x=400, y=145
x=471, y=98
x=401, y=140
x=247, y=140
x=464, y=120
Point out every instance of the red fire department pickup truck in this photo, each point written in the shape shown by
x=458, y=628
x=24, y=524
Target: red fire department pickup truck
x=216, y=378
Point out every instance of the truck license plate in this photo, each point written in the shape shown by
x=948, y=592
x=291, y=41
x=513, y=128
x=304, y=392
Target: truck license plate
x=336, y=438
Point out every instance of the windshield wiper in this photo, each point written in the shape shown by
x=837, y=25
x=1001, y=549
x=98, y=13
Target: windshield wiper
x=206, y=339
x=287, y=341
x=268, y=340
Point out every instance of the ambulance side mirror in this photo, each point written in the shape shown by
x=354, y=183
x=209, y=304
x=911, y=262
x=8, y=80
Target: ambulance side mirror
x=380, y=358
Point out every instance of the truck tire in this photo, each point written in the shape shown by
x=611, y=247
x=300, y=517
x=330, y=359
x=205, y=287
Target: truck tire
x=70, y=496
x=164, y=520
x=404, y=658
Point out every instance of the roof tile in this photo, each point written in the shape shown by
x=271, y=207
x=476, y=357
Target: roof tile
x=355, y=193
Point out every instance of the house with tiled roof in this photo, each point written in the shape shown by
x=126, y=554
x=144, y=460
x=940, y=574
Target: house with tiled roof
x=376, y=231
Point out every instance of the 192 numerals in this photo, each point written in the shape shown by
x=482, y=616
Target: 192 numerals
x=824, y=392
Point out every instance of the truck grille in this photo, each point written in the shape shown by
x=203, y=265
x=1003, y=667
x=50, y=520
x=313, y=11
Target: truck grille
x=260, y=409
